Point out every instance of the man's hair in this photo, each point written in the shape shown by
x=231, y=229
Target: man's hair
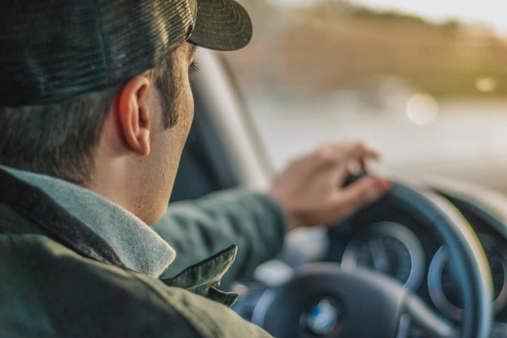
x=59, y=139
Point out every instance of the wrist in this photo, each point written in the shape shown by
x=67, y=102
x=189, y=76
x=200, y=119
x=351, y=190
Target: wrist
x=292, y=221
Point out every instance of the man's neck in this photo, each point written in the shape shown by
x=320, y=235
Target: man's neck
x=137, y=245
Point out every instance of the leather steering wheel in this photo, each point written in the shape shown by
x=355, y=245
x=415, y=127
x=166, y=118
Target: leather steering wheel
x=323, y=300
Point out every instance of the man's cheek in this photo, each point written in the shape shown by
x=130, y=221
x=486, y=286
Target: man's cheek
x=189, y=107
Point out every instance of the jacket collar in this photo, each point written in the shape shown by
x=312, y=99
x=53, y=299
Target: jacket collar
x=86, y=222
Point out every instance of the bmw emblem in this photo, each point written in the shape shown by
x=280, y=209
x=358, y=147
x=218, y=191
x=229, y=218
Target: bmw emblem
x=322, y=318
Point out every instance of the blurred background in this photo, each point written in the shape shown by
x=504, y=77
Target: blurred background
x=425, y=82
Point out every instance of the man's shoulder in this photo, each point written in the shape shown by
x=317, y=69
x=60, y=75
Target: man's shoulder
x=51, y=291
x=67, y=295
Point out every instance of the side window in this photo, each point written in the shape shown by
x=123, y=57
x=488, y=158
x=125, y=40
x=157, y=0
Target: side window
x=422, y=81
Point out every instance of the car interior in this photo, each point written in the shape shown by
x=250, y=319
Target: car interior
x=425, y=83
x=427, y=260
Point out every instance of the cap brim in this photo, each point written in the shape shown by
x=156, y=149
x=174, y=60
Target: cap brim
x=221, y=25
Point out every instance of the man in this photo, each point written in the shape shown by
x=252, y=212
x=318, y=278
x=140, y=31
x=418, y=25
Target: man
x=95, y=108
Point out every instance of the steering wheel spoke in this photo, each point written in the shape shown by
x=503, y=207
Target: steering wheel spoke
x=418, y=321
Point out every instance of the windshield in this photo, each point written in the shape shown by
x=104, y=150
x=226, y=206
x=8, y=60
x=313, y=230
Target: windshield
x=424, y=82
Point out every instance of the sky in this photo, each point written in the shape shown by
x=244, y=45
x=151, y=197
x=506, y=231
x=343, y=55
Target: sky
x=491, y=12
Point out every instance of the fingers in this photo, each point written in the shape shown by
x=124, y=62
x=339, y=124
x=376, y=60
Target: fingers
x=360, y=193
x=333, y=154
x=366, y=190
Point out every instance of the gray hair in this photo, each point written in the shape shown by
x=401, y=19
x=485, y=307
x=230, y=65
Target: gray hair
x=59, y=139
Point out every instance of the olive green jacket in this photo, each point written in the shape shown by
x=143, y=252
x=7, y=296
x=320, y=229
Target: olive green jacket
x=60, y=278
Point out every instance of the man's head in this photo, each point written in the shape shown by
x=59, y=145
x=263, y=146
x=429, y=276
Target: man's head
x=132, y=132
x=105, y=126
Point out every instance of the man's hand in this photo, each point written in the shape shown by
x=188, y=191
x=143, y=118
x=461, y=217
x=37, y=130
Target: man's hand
x=311, y=192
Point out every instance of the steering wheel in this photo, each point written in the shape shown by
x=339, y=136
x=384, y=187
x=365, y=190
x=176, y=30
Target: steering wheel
x=323, y=300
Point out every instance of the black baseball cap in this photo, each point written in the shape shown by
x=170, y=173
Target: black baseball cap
x=53, y=50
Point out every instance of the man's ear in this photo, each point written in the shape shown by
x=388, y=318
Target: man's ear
x=133, y=114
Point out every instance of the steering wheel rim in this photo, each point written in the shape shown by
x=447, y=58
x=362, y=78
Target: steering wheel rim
x=471, y=267
x=472, y=271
